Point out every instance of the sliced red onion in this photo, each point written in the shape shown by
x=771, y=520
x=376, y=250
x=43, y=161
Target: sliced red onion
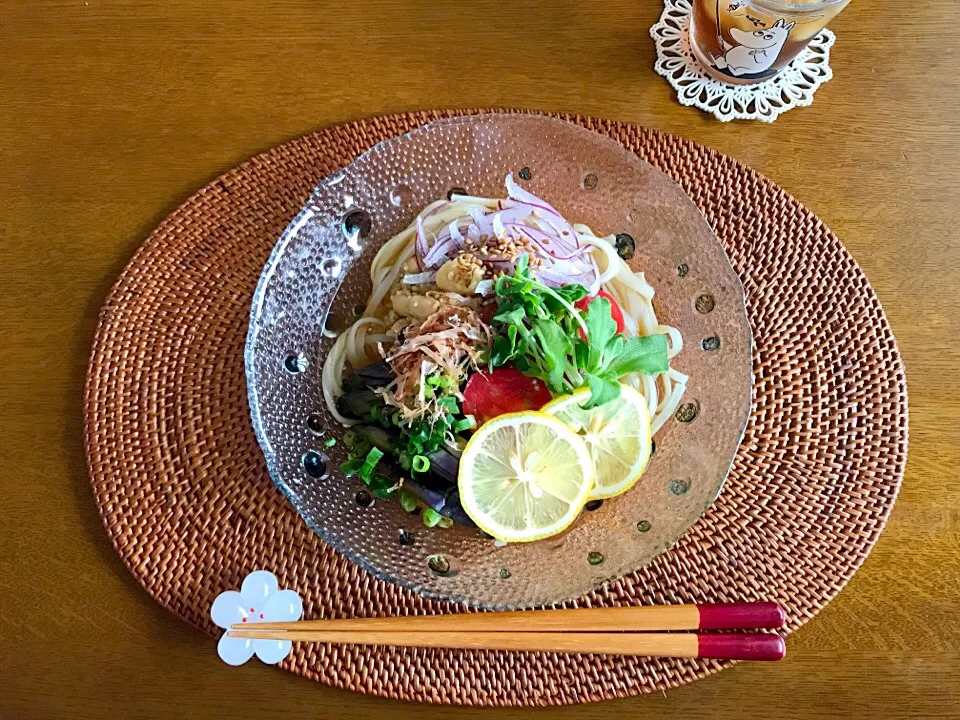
x=563, y=258
x=509, y=216
x=442, y=258
x=506, y=266
x=483, y=222
x=515, y=213
x=544, y=211
x=589, y=277
x=515, y=192
x=539, y=245
x=549, y=214
x=559, y=227
x=440, y=252
x=518, y=194
x=422, y=246
x=550, y=245
x=454, y=231
x=581, y=270
x=498, y=229
x=448, y=242
x=558, y=278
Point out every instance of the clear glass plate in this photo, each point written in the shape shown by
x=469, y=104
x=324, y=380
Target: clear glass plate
x=317, y=279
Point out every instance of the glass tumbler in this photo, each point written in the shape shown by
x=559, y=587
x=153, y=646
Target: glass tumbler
x=749, y=41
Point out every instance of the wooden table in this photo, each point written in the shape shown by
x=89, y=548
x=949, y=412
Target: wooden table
x=113, y=112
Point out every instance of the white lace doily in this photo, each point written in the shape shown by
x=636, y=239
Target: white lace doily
x=791, y=87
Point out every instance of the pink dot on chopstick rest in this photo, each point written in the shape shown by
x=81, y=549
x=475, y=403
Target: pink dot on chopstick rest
x=261, y=616
x=243, y=619
x=742, y=616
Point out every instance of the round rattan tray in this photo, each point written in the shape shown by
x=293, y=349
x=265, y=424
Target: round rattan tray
x=674, y=247
x=184, y=492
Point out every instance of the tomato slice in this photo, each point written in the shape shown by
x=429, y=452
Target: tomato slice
x=616, y=312
x=505, y=390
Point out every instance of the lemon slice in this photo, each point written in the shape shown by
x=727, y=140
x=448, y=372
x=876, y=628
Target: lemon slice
x=617, y=433
x=524, y=476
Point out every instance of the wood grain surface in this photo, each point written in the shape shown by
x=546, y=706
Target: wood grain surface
x=112, y=112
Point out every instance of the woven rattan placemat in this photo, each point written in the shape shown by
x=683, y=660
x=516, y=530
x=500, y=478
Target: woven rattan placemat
x=185, y=496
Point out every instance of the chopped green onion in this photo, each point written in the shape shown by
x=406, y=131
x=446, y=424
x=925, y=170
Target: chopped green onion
x=349, y=438
x=420, y=464
x=329, y=442
x=441, y=380
x=407, y=501
x=448, y=403
x=373, y=457
x=431, y=518
x=445, y=522
x=468, y=423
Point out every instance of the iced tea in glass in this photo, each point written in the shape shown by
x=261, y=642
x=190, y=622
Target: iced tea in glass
x=749, y=41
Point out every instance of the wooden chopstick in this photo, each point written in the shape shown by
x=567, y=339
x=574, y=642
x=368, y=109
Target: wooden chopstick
x=684, y=645
x=726, y=616
x=613, y=631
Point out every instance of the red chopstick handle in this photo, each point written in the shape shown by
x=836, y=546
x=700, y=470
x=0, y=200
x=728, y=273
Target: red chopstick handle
x=742, y=616
x=741, y=647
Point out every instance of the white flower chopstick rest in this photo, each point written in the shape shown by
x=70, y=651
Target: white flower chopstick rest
x=259, y=600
